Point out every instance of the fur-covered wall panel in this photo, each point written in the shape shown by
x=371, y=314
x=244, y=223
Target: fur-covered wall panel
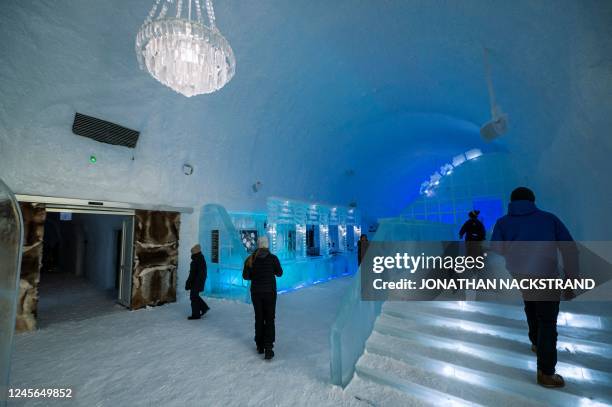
x=156, y=239
x=34, y=216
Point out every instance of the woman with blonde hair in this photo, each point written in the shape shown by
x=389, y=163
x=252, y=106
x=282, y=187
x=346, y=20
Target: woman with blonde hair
x=262, y=268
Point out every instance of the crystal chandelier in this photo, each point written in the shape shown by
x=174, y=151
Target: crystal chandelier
x=186, y=55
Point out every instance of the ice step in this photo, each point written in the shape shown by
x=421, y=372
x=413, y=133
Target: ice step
x=570, y=325
x=581, y=381
x=377, y=387
x=571, y=345
x=392, y=371
x=376, y=393
x=496, y=341
x=457, y=378
x=567, y=317
x=518, y=360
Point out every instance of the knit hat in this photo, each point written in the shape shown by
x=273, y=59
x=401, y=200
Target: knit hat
x=262, y=242
x=196, y=249
x=474, y=213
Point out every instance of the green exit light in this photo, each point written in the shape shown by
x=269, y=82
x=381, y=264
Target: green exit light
x=92, y=159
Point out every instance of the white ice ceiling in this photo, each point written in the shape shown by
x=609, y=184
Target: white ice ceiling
x=384, y=90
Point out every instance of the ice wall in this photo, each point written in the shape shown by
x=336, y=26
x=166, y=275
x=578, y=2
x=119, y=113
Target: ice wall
x=466, y=182
x=332, y=101
x=11, y=240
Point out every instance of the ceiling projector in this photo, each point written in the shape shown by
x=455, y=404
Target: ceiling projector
x=494, y=128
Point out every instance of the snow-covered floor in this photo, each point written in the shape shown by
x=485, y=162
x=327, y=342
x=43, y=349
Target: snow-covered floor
x=66, y=297
x=157, y=357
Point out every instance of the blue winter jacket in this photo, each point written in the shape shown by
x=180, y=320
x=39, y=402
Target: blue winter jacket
x=546, y=235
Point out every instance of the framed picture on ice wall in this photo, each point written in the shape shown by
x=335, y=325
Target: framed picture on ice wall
x=249, y=239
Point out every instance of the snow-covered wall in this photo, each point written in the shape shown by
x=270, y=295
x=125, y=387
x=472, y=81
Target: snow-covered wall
x=332, y=101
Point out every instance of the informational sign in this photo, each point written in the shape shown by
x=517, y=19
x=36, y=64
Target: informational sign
x=214, y=246
x=65, y=216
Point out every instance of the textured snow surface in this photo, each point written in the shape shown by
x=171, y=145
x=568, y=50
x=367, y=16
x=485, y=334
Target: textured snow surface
x=157, y=357
x=390, y=91
x=66, y=297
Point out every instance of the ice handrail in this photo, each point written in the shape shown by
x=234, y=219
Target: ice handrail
x=356, y=318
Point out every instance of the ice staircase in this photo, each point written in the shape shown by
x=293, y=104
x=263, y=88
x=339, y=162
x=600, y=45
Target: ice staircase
x=449, y=353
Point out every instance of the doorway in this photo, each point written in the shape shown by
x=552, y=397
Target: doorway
x=83, y=271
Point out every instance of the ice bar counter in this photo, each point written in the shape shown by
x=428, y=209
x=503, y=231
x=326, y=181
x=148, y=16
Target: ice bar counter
x=314, y=242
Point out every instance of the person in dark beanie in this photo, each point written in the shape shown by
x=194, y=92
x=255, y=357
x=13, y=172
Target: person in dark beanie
x=262, y=268
x=196, y=282
x=473, y=229
x=537, y=259
x=474, y=232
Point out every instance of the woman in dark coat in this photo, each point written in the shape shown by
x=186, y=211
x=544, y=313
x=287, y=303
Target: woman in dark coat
x=262, y=268
x=196, y=282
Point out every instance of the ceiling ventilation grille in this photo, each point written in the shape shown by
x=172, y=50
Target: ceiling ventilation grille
x=103, y=131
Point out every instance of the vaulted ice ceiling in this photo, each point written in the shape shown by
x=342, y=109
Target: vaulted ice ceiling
x=335, y=101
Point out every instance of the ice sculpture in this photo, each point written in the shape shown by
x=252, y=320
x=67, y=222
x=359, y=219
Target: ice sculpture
x=224, y=252
x=314, y=243
x=11, y=237
x=355, y=318
x=311, y=241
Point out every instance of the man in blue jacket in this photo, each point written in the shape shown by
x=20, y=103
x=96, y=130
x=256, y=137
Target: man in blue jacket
x=537, y=259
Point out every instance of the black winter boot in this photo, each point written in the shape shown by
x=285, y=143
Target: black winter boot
x=269, y=354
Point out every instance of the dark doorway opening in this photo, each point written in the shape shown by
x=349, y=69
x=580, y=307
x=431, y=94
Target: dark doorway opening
x=81, y=270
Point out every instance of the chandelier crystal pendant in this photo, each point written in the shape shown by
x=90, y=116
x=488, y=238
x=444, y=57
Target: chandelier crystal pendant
x=186, y=55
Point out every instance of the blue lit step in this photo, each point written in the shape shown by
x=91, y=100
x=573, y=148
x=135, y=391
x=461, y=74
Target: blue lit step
x=564, y=343
x=377, y=387
x=466, y=334
x=469, y=384
x=581, y=381
x=524, y=360
x=384, y=365
x=569, y=323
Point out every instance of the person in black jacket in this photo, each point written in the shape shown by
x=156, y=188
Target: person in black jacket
x=262, y=268
x=474, y=232
x=195, y=283
x=362, y=247
x=473, y=229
